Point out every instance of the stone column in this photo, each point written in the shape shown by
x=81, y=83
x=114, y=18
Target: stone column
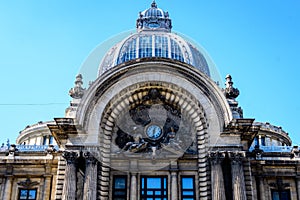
x=90, y=184
x=174, y=186
x=133, y=187
x=69, y=188
x=8, y=187
x=217, y=180
x=237, y=172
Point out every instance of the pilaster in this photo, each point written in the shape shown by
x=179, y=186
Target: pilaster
x=238, y=181
x=47, y=187
x=8, y=187
x=69, y=188
x=133, y=186
x=90, y=185
x=217, y=181
x=174, y=185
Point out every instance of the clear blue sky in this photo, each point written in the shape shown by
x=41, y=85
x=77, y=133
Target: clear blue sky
x=44, y=43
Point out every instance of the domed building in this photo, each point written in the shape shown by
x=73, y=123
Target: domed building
x=154, y=124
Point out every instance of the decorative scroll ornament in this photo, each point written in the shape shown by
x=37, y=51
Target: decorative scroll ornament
x=279, y=185
x=77, y=91
x=230, y=92
x=28, y=183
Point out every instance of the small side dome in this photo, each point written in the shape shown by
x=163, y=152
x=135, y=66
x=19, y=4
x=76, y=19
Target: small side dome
x=153, y=12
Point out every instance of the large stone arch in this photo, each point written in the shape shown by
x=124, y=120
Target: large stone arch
x=100, y=93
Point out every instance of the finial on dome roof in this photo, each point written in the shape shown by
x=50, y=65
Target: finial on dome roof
x=154, y=5
x=154, y=18
x=77, y=91
x=230, y=92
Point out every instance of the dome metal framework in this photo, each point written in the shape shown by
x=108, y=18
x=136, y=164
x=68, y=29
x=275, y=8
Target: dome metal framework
x=154, y=39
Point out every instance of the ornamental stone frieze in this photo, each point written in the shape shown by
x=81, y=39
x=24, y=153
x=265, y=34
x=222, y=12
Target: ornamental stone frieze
x=28, y=183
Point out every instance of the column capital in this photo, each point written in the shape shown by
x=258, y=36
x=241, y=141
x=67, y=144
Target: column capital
x=236, y=156
x=90, y=158
x=216, y=156
x=70, y=156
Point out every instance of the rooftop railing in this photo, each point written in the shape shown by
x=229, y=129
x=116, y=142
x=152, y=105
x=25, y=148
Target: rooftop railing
x=29, y=148
x=274, y=148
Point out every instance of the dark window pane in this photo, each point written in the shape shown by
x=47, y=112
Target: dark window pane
x=120, y=183
x=281, y=195
x=119, y=193
x=44, y=140
x=285, y=195
x=120, y=188
x=51, y=140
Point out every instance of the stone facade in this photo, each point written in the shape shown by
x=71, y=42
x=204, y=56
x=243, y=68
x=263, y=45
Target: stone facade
x=152, y=128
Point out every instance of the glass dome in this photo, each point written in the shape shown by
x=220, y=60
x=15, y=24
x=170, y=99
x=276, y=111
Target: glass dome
x=154, y=39
x=154, y=44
